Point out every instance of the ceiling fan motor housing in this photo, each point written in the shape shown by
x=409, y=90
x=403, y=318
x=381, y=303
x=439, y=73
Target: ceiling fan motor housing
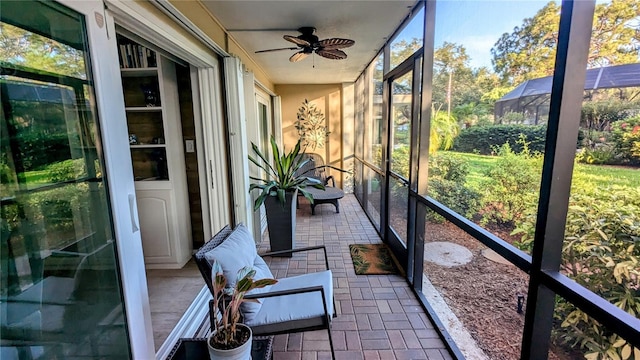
x=307, y=35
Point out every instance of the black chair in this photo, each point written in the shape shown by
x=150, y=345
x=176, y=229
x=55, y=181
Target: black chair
x=316, y=169
x=64, y=310
x=295, y=304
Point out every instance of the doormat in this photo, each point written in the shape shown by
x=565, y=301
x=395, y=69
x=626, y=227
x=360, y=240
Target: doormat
x=373, y=259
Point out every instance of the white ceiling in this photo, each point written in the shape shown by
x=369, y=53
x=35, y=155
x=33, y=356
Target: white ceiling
x=260, y=25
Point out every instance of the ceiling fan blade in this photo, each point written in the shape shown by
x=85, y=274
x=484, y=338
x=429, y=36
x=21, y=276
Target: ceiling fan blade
x=336, y=43
x=296, y=40
x=300, y=55
x=269, y=50
x=332, y=54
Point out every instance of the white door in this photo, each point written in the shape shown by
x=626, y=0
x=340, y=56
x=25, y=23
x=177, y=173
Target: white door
x=210, y=127
x=68, y=200
x=265, y=130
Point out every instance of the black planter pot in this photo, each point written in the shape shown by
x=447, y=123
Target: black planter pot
x=281, y=221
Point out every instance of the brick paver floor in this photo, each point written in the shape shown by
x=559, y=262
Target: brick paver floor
x=378, y=316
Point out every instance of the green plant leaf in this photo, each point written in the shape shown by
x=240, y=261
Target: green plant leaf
x=263, y=282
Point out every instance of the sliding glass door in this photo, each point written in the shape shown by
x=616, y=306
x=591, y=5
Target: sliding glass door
x=60, y=292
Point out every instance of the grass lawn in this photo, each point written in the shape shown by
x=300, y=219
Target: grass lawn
x=478, y=165
x=599, y=176
x=603, y=176
x=37, y=176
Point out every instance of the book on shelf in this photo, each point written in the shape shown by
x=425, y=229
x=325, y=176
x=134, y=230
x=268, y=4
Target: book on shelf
x=136, y=56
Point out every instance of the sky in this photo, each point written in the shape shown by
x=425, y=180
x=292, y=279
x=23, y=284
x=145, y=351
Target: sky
x=476, y=24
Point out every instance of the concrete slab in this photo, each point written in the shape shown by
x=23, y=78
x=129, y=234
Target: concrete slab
x=446, y=253
x=494, y=256
x=452, y=324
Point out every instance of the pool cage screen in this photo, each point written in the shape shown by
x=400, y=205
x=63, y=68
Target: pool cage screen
x=531, y=98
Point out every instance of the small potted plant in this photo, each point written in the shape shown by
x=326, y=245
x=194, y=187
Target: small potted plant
x=230, y=339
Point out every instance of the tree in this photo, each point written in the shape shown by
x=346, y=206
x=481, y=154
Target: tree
x=452, y=76
x=444, y=129
x=529, y=51
x=402, y=49
x=462, y=88
x=21, y=47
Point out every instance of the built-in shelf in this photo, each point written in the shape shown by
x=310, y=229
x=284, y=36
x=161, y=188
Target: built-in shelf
x=143, y=108
x=139, y=72
x=147, y=146
x=157, y=158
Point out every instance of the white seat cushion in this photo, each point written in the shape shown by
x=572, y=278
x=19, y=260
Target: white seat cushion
x=282, y=313
x=50, y=290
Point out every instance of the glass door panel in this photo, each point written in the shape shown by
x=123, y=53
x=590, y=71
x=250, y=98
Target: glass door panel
x=400, y=127
x=398, y=208
x=60, y=293
x=399, y=139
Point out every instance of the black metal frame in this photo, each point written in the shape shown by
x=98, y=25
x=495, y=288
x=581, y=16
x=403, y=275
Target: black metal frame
x=391, y=237
x=546, y=281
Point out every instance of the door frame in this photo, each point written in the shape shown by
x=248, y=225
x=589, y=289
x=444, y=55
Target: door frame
x=151, y=25
x=402, y=251
x=206, y=70
x=114, y=138
x=262, y=97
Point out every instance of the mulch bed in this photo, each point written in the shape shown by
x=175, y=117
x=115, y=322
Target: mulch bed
x=483, y=294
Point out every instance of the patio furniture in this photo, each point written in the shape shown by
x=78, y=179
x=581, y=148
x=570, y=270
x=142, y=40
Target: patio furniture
x=331, y=194
x=63, y=310
x=294, y=304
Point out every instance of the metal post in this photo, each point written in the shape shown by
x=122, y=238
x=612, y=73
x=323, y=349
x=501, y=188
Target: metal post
x=562, y=132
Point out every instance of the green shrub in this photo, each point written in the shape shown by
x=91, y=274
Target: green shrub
x=597, y=156
x=598, y=115
x=65, y=170
x=37, y=149
x=511, y=118
x=400, y=160
x=6, y=174
x=512, y=190
x=448, y=167
x=484, y=139
x=455, y=196
x=601, y=252
x=447, y=178
x=626, y=137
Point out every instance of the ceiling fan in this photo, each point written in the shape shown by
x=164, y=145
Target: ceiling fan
x=307, y=43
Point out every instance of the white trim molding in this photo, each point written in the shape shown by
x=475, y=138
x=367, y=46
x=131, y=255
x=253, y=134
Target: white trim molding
x=148, y=25
x=166, y=7
x=277, y=120
x=115, y=146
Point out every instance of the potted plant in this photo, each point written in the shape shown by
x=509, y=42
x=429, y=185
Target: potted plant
x=230, y=339
x=280, y=187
